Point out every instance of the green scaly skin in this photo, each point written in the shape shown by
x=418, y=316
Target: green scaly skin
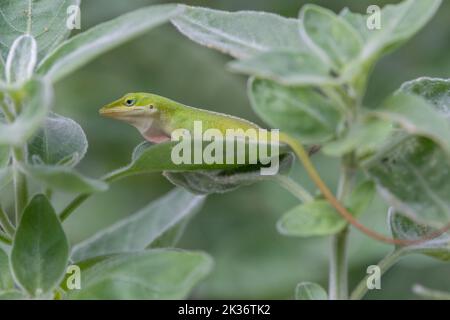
x=157, y=117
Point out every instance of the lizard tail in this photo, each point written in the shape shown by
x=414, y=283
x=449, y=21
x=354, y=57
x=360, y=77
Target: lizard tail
x=303, y=156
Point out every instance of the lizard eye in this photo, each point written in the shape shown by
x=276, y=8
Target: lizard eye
x=151, y=107
x=130, y=102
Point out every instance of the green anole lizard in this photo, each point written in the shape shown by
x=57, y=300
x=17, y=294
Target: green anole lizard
x=156, y=117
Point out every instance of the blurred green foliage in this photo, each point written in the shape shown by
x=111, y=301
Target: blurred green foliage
x=238, y=229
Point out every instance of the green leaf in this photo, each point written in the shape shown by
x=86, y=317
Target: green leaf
x=157, y=158
x=5, y=170
x=304, y=112
x=411, y=170
x=239, y=34
x=6, y=279
x=359, y=23
x=221, y=181
x=319, y=218
x=40, y=250
x=139, y=230
x=405, y=228
x=412, y=174
x=330, y=37
x=430, y=294
x=4, y=156
x=399, y=22
x=170, y=238
x=37, y=97
x=60, y=141
x=365, y=136
x=45, y=20
x=6, y=176
x=152, y=274
x=65, y=179
x=435, y=91
x=149, y=158
x=11, y=295
x=21, y=60
x=415, y=116
x=361, y=197
x=316, y=218
x=2, y=69
x=286, y=67
x=84, y=47
x=310, y=291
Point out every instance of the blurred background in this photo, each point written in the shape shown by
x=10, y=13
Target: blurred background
x=252, y=260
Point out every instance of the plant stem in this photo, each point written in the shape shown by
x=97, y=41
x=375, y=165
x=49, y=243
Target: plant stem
x=293, y=187
x=385, y=264
x=75, y=203
x=309, y=167
x=20, y=183
x=336, y=95
x=5, y=239
x=338, y=273
x=6, y=223
x=9, y=116
x=19, y=179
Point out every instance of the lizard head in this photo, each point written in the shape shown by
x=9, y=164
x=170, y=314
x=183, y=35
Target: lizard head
x=145, y=111
x=132, y=106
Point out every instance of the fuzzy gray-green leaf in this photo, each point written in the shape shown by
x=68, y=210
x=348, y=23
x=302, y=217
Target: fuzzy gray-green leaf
x=45, y=20
x=6, y=278
x=332, y=38
x=412, y=169
x=310, y=291
x=151, y=274
x=5, y=176
x=40, y=250
x=84, y=47
x=399, y=22
x=148, y=158
x=302, y=111
x=405, y=228
x=5, y=169
x=64, y=179
x=365, y=136
x=286, y=67
x=430, y=294
x=240, y=34
x=140, y=229
x=4, y=156
x=221, y=181
x=316, y=218
x=37, y=97
x=21, y=60
x=434, y=90
x=412, y=174
x=59, y=141
x=2, y=69
x=12, y=294
x=417, y=117
x=319, y=218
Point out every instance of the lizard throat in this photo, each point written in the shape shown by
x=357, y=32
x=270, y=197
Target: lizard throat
x=150, y=130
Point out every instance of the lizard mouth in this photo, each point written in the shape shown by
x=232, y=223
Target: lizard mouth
x=120, y=112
